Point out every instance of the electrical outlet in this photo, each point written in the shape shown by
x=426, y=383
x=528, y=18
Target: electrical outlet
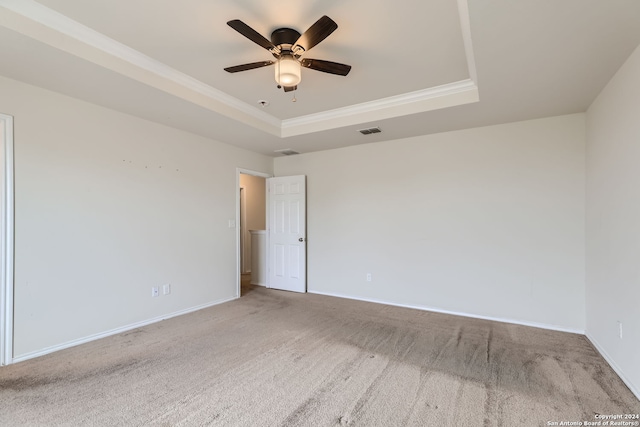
x=368, y=277
x=155, y=291
x=166, y=289
x=620, y=329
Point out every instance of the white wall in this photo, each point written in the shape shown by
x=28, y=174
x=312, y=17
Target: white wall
x=107, y=206
x=613, y=221
x=487, y=221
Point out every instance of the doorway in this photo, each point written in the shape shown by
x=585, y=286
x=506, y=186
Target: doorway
x=6, y=239
x=251, y=218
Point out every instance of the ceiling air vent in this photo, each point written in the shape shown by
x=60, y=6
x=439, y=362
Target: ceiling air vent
x=286, y=152
x=369, y=131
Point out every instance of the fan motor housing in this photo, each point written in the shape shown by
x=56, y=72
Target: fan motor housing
x=284, y=36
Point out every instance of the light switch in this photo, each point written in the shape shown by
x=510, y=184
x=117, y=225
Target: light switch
x=232, y=223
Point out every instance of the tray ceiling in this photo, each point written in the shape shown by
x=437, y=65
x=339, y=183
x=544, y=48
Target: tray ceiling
x=414, y=68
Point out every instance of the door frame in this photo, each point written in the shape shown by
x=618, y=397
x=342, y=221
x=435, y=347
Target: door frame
x=242, y=224
x=238, y=236
x=6, y=239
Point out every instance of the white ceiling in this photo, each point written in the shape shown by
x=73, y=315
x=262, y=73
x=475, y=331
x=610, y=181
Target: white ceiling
x=421, y=68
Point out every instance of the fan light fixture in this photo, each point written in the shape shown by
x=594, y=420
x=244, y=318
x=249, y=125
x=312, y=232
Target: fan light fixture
x=288, y=71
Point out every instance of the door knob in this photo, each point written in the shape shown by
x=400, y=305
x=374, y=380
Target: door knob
x=301, y=239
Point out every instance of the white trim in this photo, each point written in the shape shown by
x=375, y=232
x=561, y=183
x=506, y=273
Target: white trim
x=613, y=365
x=43, y=24
x=456, y=313
x=54, y=21
x=116, y=331
x=238, y=237
x=7, y=244
x=242, y=225
x=433, y=98
x=465, y=28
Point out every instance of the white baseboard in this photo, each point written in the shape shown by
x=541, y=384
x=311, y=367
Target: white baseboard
x=258, y=284
x=131, y=326
x=613, y=365
x=115, y=331
x=457, y=313
x=595, y=343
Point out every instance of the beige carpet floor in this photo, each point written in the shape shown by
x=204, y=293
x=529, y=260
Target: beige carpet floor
x=275, y=358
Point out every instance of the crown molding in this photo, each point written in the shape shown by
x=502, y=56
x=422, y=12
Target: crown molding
x=448, y=95
x=37, y=21
x=465, y=28
x=47, y=26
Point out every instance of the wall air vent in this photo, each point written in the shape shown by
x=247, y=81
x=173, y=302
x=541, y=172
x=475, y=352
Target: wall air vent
x=369, y=131
x=286, y=152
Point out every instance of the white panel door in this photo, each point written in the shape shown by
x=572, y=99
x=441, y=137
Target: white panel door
x=287, y=233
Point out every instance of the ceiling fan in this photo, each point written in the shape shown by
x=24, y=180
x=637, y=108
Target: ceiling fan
x=287, y=47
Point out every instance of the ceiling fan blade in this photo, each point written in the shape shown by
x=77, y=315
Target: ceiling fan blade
x=245, y=67
x=326, y=66
x=316, y=33
x=290, y=88
x=251, y=34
